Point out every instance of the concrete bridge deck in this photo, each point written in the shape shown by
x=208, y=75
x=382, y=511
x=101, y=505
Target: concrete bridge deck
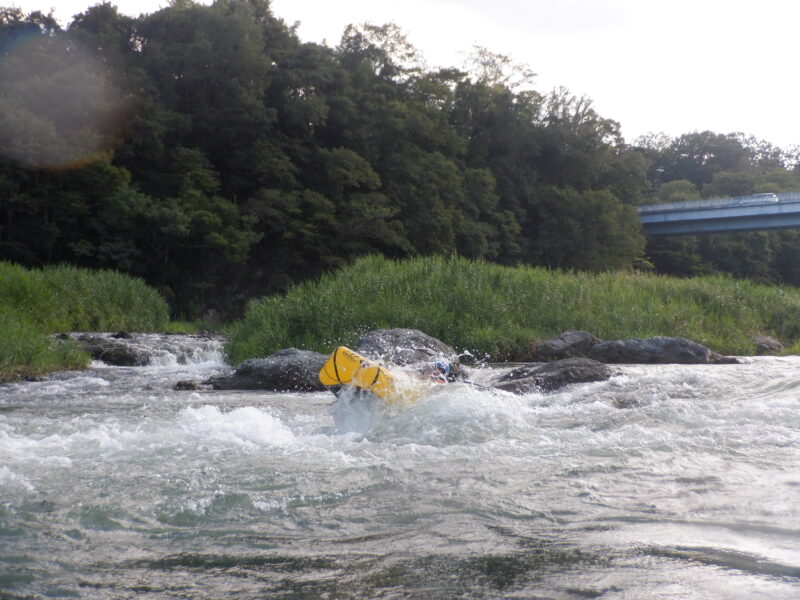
x=741, y=213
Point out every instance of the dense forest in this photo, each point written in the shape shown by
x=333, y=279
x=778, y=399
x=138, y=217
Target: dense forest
x=210, y=151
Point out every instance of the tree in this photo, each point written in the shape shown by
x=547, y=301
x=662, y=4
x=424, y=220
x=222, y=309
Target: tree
x=367, y=221
x=727, y=183
x=697, y=156
x=210, y=151
x=57, y=110
x=679, y=190
x=589, y=230
x=385, y=49
x=499, y=70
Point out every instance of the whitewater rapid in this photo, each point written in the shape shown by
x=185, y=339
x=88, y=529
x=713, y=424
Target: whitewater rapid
x=663, y=482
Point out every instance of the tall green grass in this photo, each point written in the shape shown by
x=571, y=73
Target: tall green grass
x=25, y=350
x=497, y=311
x=38, y=302
x=63, y=298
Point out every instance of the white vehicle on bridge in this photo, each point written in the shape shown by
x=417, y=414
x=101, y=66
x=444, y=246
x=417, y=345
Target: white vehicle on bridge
x=767, y=198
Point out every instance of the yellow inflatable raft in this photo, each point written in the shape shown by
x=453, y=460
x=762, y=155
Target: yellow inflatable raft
x=345, y=367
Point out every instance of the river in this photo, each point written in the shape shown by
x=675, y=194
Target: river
x=663, y=482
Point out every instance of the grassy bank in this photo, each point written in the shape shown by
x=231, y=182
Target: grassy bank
x=497, y=311
x=37, y=302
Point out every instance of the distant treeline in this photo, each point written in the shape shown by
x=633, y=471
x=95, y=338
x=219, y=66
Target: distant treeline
x=211, y=152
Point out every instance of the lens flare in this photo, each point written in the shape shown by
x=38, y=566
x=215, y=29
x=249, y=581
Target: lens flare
x=58, y=109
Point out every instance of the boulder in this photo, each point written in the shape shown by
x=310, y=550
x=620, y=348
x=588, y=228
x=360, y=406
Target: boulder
x=553, y=375
x=567, y=345
x=656, y=350
x=187, y=385
x=767, y=345
x=114, y=351
x=403, y=347
x=288, y=370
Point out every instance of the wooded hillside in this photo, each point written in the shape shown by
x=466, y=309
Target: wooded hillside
x=210, y=151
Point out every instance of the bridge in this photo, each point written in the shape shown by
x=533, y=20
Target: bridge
x=719, y=215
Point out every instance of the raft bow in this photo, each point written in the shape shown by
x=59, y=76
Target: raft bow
x=345, y=367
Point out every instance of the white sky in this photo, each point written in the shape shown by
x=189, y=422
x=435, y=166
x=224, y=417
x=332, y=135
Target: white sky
x=672, y=66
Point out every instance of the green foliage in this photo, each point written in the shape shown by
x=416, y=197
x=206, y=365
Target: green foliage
x=496, y=312
x=589, y=230
x=244, y=160
x=209, y=151
x=27, y=351
x=37, y=302
x=180, y=327
x=63, y=298
x=727, y=183
x=679, y=190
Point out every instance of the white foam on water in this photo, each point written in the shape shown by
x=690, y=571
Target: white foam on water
x=86, y=440
x=92, y=382
x=357, y=414
x=270, y=505
x=181, y=357
x=78, y=384
x=163, y=350
x=242, y=426
x=643, y=412
x=20, y=447
x=10, y=480
x=452, y=414
x=667, y=456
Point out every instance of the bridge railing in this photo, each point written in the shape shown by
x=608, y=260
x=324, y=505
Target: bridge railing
x=714, y=203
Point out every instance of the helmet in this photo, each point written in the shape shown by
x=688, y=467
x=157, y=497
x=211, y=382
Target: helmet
x=442, y=367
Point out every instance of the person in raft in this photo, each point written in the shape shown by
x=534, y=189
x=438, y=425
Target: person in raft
x=440, y=372
x=345, y=367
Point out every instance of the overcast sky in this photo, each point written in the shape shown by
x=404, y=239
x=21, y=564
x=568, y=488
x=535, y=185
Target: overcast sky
x=652, y=65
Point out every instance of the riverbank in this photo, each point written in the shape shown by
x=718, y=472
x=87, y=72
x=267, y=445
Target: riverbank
x=36, y=303
x=493, y=312
x=499, y=313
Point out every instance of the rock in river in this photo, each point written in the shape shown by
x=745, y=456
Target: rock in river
x=403, y=347
x=288, y=370
x=767, y=345
x=567, y=345
x=552, y=376
x=656, y=350
x=114, y=351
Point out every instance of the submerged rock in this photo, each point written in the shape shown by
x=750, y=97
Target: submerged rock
x=404, y=347
x=288, y=370
x=553, y=375
x=188, y=385
x=656, y=350
x=567, y=345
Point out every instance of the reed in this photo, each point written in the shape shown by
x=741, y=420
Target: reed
x=35, y=303
x=64, y=298
x=27, y=351
x=497, y=312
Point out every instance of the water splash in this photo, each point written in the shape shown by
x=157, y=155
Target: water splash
x=247, y=426
x=664, y=479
